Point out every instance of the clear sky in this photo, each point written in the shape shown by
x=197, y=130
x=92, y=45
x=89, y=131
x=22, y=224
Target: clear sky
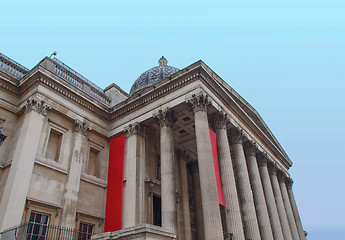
x=285, y=57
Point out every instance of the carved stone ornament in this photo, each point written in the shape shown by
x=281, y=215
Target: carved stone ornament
x=38, y=105
x=133, y=129
x=81, y=127
x=262, y=159
x=236, y=136
x=281, y=176
x=250, y=148
x=199, y=102
x=165, y=117
x=272, y=168
x=183, y=155
x=289, y=182
x=221, y=120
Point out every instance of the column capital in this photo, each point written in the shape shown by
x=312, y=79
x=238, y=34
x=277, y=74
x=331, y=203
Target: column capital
x=250, y=148
x=262, y=159
x=36, y=104
x=199, y=102
x=183, y=155
x=236, y=136
x=81, y=127
x=133, y=129
x=272, y=168
x=281, y=176
x=165, y=117
x=289, y=183
x=221, y=120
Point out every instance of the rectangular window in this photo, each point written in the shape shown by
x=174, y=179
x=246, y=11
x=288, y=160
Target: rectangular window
x=85, y=231
x=37, y=228
x=54, y=145
x=157, y=211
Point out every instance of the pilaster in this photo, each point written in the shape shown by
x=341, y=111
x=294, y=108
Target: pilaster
x=70, y=198
x=18, y=181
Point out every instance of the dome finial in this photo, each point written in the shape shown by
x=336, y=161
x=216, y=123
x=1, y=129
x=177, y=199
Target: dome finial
x=162, y=61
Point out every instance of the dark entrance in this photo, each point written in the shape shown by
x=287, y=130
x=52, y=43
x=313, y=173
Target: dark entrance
x=157, y=211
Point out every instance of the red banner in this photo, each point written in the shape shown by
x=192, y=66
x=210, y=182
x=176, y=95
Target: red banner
x=213, y=138
x=113, y=209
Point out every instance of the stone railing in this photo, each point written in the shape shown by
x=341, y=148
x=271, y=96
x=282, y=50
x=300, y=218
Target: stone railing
x=11, y=67
x=77, y=80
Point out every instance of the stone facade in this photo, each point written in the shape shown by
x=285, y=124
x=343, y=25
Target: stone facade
x=55, y=158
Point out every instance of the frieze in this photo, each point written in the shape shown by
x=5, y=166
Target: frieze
x=38, y=105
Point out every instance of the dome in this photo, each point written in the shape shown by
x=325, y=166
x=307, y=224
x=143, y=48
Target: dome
x=153, y=76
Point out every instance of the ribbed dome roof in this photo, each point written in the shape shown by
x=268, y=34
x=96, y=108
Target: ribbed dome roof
x=153, y=76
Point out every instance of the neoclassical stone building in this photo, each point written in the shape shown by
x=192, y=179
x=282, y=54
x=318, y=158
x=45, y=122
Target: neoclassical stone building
x=182, y=156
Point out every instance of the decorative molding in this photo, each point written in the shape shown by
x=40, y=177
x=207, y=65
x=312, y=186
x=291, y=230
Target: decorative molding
x=165, y=118
x=199, y=102
x=81, y=127
x=236, y=136
x=38, y=105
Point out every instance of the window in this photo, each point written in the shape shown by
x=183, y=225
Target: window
x=54, y=144
x=37, y=228
x=85, y=231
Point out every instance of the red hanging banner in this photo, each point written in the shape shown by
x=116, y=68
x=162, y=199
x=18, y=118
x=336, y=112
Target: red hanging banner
x=113, y=209
x=213, y=138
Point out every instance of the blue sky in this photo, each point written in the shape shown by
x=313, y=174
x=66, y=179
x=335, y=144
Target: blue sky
x=286, y=58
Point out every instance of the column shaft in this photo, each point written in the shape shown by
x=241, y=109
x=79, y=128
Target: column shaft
x=251, y=227
x=209, y=195
x=185, y=202
x=232, y=209
x=271, y=204
x=18, y=181
x=295, y=210
x=259, y=197
x=280, y=204
x=288, y=208
x=197, y=202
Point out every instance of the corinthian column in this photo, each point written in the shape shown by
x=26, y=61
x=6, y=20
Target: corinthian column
x=251, y=227
x=70, y=198
x=279, y=201
x=271, y=203
x=259, y=197
x=166, y=119
x=288, y=209
x=289, y=183
x=209, y=195
x=232, y=208
x=134, y=181
x=18, y=181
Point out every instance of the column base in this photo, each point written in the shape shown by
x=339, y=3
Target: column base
x=139, y=232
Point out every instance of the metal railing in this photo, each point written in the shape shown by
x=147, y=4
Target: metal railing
x=38, y=231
